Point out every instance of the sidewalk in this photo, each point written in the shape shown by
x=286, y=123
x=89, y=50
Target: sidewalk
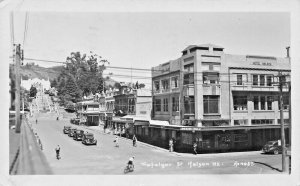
x=100, y=130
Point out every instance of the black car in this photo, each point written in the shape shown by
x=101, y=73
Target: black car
x=66, y=129
x=272, y=147
x=88, y=139
x=78, y=135
x=72, y=132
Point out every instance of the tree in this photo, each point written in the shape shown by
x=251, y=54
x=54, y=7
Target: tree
x=53, y=83
x=32, y=91
x=71, y=89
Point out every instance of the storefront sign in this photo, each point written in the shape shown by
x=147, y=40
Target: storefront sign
x=261, y=63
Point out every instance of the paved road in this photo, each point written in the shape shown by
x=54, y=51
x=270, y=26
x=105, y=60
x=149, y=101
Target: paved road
x=107, y=159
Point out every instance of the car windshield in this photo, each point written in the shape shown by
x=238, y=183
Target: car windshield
x=90, y=136
x=270, y=142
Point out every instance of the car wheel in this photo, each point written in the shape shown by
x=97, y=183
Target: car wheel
x=276, y=152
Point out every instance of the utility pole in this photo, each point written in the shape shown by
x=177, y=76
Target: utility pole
x=17, y=93
x=281, y=82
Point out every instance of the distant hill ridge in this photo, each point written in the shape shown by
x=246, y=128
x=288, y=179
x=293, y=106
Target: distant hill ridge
x=31, y=71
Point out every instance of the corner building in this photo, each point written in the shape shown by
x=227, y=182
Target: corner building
x=222, y=102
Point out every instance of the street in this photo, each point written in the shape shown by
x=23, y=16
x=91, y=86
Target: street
x=105, y=158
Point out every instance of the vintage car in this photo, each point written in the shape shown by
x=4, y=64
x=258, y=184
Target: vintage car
x=273, y=147
x=72, y=131
x=78, y=135
x=88, y=139
x=66, y=129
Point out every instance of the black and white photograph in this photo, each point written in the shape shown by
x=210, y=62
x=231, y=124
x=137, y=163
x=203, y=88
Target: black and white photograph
x=142, y=96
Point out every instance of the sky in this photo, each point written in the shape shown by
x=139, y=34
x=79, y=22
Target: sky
x=144, y=40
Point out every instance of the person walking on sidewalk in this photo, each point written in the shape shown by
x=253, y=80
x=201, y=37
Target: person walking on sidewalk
x=134, y=141
x=116, y=141
x=171, y=145
x=195, y=148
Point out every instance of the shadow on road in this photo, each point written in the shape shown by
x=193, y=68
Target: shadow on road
x=273, y=168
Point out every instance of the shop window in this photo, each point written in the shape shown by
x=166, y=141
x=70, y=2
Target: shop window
x=187, y=138
x=189, y=105
x=157, y=105
x=165, y=105
x=240, y=102
x=146, y=131
x=175, y=104
x=163, y=133
x=211, y=104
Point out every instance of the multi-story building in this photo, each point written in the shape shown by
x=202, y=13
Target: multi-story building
x=88, y=112
x=221, y=101
x=130, y=104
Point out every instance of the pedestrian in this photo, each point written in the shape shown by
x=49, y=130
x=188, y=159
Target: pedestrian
x=134, y=141
x=57, y=150
x=195, y=148
x=35, y=121
x=171, y=145
x=116, y=141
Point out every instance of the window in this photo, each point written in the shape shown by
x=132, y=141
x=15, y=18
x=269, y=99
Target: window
x=286, y=102
x=239, y=80
x=165, y=84
x=262, y=121
x=210, y=78
x=240, y=102
x=254, y=79
x=189, y=68
x=156, y=85
x=189, y=105
x=174, y=82
x=263, y=102
x=269, y=80
x=262, y=80
x=256, y=102
x=165, y=105
x=269, y=102
x=241, y=122
x=211, y=104
x=210, y=66
x=188, y=79
x=175, y=104
x=157, y=105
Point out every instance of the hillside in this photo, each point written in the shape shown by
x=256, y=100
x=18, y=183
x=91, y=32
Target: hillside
x=30, y=72
x=34, y=71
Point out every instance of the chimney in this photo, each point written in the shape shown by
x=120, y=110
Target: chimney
x=288, y=52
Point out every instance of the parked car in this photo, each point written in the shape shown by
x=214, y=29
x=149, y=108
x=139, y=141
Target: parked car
x=89, y=139
x=72, y=131
x=273, y=147
x=78, y=135
x=66, y=129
